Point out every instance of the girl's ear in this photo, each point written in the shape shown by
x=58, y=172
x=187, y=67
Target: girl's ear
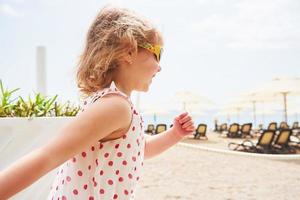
x=128, y=58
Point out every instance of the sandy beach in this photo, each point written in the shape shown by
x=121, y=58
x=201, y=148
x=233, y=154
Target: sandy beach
x=187, y=173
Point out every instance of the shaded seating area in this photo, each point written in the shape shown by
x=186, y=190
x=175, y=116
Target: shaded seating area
x=236, y=130
x=221, y=128
x=160, y=128
x=282, y=142
x=295, y=125
x=269, y=142
x=296, y=129
x=264, y=144
x=272, y=126
x=201, y=132
x=296, y=135
x=283, y=125
x=150, y=129
x=246, y=130
x=233, y=131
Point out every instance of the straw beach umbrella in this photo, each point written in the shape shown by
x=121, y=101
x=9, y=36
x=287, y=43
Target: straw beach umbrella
x=228, y=113
x=281, y=87
x=263, y=112
x=157, y=109
x=189, y=100
x=197, y=110
x=232, y=109
x=251, y=99
x=294, y=110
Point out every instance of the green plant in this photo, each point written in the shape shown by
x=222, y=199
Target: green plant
x=65, y=109
x=39, y=106
x=6, y=107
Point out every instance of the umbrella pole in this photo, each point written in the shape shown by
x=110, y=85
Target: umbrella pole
x=228, y=119
x=254, y=113
x=238, y=114
x=285, y=106
x=184, y=106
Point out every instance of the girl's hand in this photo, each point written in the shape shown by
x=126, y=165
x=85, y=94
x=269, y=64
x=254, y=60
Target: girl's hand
x=183, y=125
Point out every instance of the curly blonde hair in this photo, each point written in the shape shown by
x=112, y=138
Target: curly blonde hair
x=114, y=34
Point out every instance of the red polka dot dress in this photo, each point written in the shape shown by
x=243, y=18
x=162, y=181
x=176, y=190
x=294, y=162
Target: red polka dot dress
x=105, y=170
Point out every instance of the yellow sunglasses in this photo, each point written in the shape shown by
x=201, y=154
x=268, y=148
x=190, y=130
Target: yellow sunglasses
x=157, y=50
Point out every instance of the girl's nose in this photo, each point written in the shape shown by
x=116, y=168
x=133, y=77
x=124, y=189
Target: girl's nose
x=159, y=68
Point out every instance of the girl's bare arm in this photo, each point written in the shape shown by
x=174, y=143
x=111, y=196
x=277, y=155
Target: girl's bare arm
x=182, y=126
x=95, y=123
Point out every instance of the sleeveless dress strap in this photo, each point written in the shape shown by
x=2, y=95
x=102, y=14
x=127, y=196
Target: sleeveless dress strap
x=111, y=90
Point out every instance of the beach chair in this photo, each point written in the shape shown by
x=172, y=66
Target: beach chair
x=264, y=144
x=259, y=130
x=283, y=125
x=223, y=127
x=160, y=128
x=218, y=129
x=233, y=131
x=201, y=132
x=296, y=129
x=281, y=143
x=150, y=129
x=246, y=130
x=295, y=141
x=295, y=125
x=272, y=126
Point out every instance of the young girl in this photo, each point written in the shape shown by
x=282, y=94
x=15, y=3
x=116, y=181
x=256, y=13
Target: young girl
x=101, y=151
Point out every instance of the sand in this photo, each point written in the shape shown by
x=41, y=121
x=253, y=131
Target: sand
x=187, y=173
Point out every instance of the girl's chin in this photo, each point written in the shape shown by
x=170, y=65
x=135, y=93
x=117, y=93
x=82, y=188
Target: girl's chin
x=144, y=88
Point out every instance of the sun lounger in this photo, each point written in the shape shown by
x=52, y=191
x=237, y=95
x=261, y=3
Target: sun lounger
x=272, y=126
x=264, y=144
x=281, y=143
x=223, y=127
x=160, y=128
x=233, y=131
x=283, y=125
x=150, y=129
x=246, y=130
x=296, y=129
x=201, y=132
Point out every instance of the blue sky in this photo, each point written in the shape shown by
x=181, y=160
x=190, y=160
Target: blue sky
x=216, y=48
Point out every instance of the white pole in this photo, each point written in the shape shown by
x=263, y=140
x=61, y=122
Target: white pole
x=254, y=112
x=41, y=70
x=285, y=106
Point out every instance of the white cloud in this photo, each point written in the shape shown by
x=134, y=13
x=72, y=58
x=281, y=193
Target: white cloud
x=254, y=24
x=8, y=10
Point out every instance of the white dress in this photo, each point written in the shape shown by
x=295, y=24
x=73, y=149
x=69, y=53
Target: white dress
x=105, y=170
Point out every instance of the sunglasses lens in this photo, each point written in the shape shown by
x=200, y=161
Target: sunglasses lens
x=160, y=53
x=158, y=57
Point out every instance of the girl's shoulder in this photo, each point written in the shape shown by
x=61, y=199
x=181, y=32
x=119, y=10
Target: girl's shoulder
x=112, y=90
x=115, y=106
x=109, y=100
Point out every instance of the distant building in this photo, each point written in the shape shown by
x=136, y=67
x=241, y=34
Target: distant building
x=41, y=75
